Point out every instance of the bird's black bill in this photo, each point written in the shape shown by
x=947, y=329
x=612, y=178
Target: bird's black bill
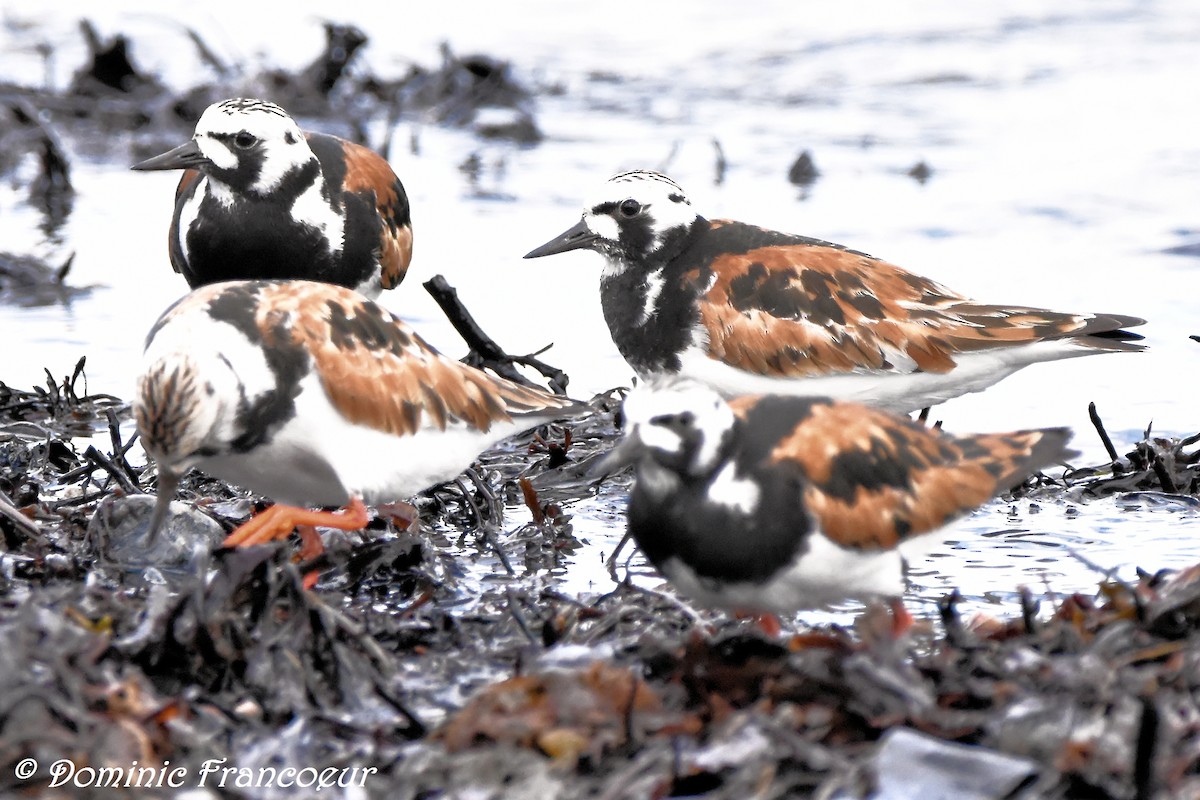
x=625, y=453
x=186, y=156
x=168, y=482
x=574, y=238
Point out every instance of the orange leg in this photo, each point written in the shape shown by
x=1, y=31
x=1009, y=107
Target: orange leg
x=902, y=619
x=279, y=520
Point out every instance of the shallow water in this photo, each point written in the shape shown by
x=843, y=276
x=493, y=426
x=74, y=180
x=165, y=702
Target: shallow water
x=1064, y=157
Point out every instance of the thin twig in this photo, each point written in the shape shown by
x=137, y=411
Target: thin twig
x=118, y=448
x=610, y=563
x=1099, y=425
x=118, y=474
x=338, y=620
x=1164, y=477
x=9, y=510
x=495, y=506
x=1029, y=610
x=80, y=471
x=566, y=599
x=81, y=500
x=69, y=383
x=484, y=350
x=952, y=619
x=488, y=531
x=514, y=609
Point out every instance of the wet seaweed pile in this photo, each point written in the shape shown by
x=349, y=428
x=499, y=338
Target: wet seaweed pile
x=442, y=661
x=1156, y=466
x=128, y=652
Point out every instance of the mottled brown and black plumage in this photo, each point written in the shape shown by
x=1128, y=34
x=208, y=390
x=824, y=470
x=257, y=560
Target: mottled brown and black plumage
x=775, y=503
x=795, y=307
x=313, y=395
x=750, y=310
x=260, y=199
x=874, y=479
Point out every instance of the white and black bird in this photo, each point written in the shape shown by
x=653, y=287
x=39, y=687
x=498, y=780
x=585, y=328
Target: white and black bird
x=261, y=199
x=313, y=395
x=775, y=503
x=750, y=310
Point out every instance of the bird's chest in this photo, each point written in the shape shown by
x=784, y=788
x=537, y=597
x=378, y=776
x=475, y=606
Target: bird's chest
x=732, y=527
x=224, y=238
x=653, y=317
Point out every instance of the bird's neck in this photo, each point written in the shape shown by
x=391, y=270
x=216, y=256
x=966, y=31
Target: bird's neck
x=650, y=305
x=266, y=184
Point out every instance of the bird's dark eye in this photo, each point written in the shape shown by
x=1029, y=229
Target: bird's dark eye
x=630, y=207
x=680, y=421
x=245, y=140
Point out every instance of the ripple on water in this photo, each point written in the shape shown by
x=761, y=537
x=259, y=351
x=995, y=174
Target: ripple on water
x=1059, y=549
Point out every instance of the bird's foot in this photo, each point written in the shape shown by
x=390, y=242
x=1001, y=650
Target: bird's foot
x=278, y=521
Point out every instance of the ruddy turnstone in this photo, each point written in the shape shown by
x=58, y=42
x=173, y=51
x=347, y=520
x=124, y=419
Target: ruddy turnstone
x=750, y=310
x=261, y=199
x=313, y=395
x=777, y=503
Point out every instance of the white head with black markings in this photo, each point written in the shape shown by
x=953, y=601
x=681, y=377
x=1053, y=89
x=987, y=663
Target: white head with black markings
x=249, y=145
x=682, y=426
x=636, y=218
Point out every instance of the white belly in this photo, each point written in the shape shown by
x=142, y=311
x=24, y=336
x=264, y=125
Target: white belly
x=318, y=458
x=826, y=574
x=900, y=392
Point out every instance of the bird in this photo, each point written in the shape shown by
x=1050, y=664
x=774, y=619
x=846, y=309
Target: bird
x=314, y=396
x=261, y=199
x=773, y=504
x=749, y=310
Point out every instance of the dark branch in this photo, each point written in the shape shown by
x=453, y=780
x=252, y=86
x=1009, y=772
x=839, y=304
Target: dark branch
x=485, y=353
